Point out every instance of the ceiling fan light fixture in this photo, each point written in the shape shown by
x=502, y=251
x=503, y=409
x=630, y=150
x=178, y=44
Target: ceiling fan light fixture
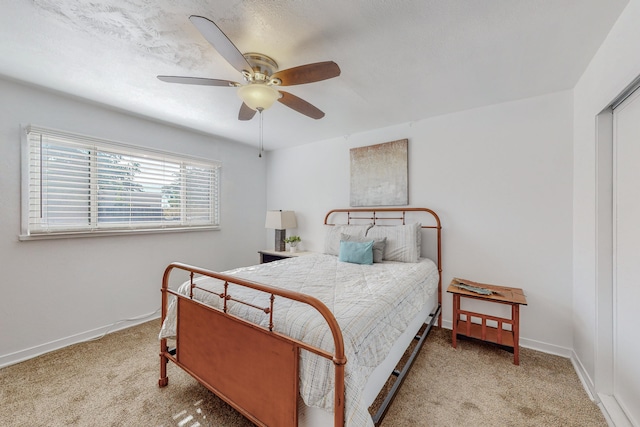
x=261, y=75
x=258, y=96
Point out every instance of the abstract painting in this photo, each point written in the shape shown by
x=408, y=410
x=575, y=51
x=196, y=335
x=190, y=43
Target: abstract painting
x=379, y=174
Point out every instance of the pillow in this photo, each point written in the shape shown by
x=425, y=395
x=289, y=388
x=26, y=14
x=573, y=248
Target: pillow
x=356, y=252
x=332, y=235
x=403, y=242
x=378, y=244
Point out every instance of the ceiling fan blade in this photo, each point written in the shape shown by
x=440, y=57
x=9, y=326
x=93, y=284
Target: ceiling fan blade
x=308, y=73
x=246, y=113
x=220, y=42
x=300, y=105
x=198, y=81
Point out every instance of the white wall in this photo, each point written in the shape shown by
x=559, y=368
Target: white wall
x=55, y=292
x=500, y=179
x=616, y=65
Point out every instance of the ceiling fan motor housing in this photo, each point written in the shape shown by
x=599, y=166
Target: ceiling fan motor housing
x=263, y=67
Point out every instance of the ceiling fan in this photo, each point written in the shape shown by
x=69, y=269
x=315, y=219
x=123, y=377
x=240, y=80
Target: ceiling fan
x=261, y=75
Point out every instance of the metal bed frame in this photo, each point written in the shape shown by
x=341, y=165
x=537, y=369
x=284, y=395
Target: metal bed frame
x=264, y=386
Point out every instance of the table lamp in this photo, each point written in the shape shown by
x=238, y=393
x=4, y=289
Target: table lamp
x=280, y=221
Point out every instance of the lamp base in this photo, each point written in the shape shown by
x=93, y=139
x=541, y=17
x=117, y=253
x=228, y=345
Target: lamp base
x=279, y=243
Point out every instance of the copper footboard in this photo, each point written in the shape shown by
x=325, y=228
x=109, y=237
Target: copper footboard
x=253, y=368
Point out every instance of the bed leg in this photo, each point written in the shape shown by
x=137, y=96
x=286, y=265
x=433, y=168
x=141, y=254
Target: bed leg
x=164, y=380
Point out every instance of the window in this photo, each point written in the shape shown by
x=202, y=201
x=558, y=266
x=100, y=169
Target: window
x=81, y=185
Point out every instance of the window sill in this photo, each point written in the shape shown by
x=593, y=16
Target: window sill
x=120, y=232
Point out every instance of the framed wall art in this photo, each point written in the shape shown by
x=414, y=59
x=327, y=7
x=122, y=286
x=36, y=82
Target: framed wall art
x=379, y=174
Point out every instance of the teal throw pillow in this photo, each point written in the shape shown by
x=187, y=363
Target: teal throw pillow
x=378, y=244
x=356, y=252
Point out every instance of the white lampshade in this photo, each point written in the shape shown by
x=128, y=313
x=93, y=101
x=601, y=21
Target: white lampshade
x=281, y=220
x=258, y=96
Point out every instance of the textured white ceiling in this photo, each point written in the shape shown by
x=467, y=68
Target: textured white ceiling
x=401, y=61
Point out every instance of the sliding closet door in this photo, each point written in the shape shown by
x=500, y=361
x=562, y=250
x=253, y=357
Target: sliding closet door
x=626, y=286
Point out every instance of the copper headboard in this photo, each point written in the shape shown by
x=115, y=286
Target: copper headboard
x=390, y=216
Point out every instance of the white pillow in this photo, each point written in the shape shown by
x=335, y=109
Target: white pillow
x=403, y=241
x=332, y=235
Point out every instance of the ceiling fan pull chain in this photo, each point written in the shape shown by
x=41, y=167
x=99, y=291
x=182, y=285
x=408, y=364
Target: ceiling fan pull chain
x=261, y=134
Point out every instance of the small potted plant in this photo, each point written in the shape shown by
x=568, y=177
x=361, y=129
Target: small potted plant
x=293, y=242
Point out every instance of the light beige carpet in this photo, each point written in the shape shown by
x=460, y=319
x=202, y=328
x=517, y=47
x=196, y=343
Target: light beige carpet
x=114, y=382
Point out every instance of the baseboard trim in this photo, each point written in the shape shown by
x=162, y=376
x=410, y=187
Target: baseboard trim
x=529, y=343
x=612, y=411
x=447, y=324
x=545, y=347
x=609, y=406
x=584, y=377
x=39, y=350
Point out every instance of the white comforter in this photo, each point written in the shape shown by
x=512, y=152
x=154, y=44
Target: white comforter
x=372, y=303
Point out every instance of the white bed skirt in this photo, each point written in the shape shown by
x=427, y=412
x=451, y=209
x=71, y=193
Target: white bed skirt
x=318, y=417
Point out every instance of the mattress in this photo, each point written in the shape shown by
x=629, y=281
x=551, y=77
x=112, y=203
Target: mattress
x=373, y=304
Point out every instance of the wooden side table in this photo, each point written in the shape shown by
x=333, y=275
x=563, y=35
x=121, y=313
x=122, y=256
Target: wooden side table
x=509, y=339
x=270, y=256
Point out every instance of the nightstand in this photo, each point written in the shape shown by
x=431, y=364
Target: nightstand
x=509, y=339
x=270, y=256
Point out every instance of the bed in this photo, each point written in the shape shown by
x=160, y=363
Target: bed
x=311, y=340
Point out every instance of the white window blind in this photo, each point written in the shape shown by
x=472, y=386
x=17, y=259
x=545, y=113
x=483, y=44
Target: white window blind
x=79, y=185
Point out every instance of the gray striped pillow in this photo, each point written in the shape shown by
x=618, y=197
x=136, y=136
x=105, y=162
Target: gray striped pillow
x=332, y=235
x=403, y=241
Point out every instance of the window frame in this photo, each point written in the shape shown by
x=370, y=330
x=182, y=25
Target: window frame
x=185, y=162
